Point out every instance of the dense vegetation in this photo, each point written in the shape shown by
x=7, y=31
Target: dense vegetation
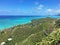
x=45, y=31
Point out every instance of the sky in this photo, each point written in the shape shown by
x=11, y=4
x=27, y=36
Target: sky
x=29, y=7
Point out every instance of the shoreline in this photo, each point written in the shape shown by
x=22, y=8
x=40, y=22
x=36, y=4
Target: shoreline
x=26, y=22
x=14, y=26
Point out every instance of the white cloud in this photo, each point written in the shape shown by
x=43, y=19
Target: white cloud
x=11, y=12
x=57, y=11
x=49, y=10
x=52, y=11
x=40, y=7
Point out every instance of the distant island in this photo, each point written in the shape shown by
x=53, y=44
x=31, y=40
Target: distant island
x=58, y=14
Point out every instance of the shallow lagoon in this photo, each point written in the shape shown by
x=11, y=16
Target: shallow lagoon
x=10, y=21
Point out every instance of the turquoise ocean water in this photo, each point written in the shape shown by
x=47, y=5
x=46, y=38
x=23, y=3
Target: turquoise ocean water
x=10, y=21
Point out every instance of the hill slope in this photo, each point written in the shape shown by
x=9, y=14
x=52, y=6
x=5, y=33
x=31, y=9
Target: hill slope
x=33, y=33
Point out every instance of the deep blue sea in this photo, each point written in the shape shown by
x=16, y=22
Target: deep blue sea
x=10, y=21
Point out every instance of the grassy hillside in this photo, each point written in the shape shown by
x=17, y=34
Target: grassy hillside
x=43, y=31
